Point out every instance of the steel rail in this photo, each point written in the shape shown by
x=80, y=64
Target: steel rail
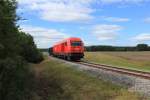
x=126, y=71
x=130, y=72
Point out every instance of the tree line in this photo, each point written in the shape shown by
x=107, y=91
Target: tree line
x=17, y=51
x=139, y=47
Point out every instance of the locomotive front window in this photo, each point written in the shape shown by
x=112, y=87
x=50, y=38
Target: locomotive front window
x=76, y=43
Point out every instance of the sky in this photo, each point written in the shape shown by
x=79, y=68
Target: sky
x=96, y=22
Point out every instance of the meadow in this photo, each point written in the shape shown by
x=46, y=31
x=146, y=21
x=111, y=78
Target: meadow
x=130, y=60
x=56, y=80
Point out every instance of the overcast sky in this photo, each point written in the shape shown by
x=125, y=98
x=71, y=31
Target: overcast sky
x=96, y=22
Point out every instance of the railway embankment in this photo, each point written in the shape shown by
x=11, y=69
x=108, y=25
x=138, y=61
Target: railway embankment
x=132, y=83
x=58, y=80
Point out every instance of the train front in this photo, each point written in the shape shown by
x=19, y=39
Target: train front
x=76, y=49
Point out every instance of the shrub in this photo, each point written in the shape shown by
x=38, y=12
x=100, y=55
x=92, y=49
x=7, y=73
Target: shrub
x=15, y=79
x=28, y=48
x=142, y=47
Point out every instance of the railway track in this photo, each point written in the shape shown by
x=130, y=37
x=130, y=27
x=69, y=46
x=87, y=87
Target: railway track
x=130, y=72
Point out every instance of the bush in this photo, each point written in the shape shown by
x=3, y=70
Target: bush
x=15, y=79
x=33, y=56
x=28, y=48
x=142, y=47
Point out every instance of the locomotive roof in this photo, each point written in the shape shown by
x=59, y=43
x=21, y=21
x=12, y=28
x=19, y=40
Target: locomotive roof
x=71, y=38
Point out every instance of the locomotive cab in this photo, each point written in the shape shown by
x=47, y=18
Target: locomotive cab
x=76, y=50
x=76, y=46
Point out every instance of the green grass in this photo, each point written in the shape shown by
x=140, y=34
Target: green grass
x=131, y=60
x=58, y=81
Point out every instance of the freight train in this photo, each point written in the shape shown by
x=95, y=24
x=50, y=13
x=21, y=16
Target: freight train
x=69, y=49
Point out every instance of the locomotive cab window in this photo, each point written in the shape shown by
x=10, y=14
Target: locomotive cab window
x=76, y=43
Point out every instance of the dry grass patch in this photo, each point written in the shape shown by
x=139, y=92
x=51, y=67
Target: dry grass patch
x=131, y=60
x=58, y=81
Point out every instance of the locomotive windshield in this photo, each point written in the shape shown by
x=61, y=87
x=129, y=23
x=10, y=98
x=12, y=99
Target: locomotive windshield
x=76, y=43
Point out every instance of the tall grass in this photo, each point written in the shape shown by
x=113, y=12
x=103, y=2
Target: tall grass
x=58, y=81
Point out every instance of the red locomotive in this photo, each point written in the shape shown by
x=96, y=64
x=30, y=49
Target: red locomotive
x=70, y=49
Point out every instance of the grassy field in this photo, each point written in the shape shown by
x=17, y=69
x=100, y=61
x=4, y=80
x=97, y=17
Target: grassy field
x=131, y=60
x=57, y=81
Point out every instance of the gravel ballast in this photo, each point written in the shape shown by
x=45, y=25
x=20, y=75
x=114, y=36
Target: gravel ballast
x=133, y=83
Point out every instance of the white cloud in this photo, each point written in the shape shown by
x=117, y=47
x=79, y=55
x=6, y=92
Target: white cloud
x=44, y=37
x=147, y=20
x=116, y=19
x=122, y=1
x=142, y=37
x=60, y=10
x=106, y=32
x=69, y=10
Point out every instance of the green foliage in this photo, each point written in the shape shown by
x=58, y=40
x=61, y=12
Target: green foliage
x=139, y=47
x=8, y=29
x=99, y=48
x=142, y=47
x=15, y=79
x=16, y=50
x=13, y=42
x=28, y=48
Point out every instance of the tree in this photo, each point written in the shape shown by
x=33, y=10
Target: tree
x=28, y=49
x=142, y=47
x=16, y=50
x=8, y=28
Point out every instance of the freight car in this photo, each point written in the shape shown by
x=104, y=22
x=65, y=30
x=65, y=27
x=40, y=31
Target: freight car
x=70, y=49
